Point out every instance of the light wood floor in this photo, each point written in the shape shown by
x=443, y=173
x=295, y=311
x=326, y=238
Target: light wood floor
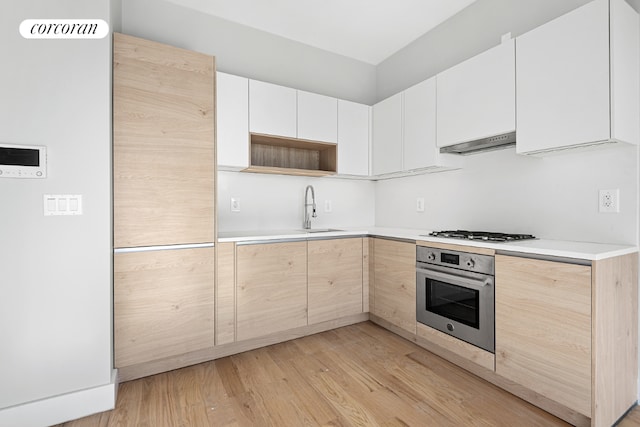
x=359, y=375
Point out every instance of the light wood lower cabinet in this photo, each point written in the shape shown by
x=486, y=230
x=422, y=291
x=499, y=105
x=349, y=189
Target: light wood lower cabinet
x=543, y=328
x=394, y=279
x=226, y=293
x=614, y=321
x=271, y=288
x=163, y=304
x=335, y=272
x=569, y=332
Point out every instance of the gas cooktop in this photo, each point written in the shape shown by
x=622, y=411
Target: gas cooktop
x=480, y=235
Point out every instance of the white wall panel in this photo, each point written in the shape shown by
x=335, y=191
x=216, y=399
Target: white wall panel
x=251, y=53
x=275, y=202
x=552, y=198
x=55, y=309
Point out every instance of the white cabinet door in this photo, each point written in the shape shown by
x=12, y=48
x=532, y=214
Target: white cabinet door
x=420, y=149
x=387, y=135
x=317, y=117
x=232, y=111
x=625, y=69
x=575, y=84
x=563, y=80
x=353, y=138
x=272, y=109
x=476, y=98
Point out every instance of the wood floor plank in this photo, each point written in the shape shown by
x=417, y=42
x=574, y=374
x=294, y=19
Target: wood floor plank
x=355, y=376
x=354, y=412
x=359, y=375
x=632, y=419
x=307, y=398
x=256, y=368
x=230, y=377
x=395, y=410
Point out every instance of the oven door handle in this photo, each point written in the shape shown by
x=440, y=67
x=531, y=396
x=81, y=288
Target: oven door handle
x=468, y=282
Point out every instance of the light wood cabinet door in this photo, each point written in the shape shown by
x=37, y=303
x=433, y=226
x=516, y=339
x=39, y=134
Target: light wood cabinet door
x=317, y=117
x=543, y=328
x=163, y=304
x=226, y=293
x=271, y=288
x=477, y=97
x=232, y=112
x=272, y=109
x=353, y=138
x=164, y=144
x=334, y=279
x=387, y=135
x=395, y=283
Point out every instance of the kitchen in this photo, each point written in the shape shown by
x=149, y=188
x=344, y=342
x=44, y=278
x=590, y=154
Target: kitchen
x=535, y=191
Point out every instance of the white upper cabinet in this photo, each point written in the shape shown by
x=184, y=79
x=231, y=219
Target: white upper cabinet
x=577, y=79
x=232, y=112
x=404, y=133
x=387, y=135
x=476, y=98
x=419, y=136
x=353, y=138
x=317, y=117
x=272, y=109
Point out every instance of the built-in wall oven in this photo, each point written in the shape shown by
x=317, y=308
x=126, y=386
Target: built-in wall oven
x=455, y=294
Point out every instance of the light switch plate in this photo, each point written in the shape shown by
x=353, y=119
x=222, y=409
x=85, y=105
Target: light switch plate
x=420, y=204
x=328, y=207
x=235, y=204
x=62, y=204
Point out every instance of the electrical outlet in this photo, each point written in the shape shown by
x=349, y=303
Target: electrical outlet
x=420, y=204
x=235, y=205
x=327, y=206
x=609, y=201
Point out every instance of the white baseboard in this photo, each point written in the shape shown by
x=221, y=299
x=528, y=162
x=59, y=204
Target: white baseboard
x=62, y=408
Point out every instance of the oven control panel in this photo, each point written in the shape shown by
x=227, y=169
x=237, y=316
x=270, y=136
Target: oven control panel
x=456, y=259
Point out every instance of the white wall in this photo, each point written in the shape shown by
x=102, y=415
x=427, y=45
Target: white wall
x=251, y=53
x=275, y=202
x=553, y=198
x=55, y=272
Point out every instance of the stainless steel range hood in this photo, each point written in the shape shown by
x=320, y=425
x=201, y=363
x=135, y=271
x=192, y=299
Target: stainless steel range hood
x=496, y=142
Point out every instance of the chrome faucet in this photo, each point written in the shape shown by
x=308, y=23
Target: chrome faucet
x=307, y=220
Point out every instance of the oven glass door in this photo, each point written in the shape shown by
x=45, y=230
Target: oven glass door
x=454, y=302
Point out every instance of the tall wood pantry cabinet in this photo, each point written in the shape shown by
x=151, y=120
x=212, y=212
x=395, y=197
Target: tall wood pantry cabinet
x=163, y=191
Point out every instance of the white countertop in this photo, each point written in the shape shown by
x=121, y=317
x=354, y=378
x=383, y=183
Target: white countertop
x=557, y=248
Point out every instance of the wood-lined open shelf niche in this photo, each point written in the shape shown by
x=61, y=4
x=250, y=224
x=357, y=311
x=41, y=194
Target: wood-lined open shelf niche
x=291, y=156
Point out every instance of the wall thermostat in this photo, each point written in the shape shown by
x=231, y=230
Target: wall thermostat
x=23, y=161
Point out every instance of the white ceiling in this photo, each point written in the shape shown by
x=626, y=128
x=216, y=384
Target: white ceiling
x=367, y=30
